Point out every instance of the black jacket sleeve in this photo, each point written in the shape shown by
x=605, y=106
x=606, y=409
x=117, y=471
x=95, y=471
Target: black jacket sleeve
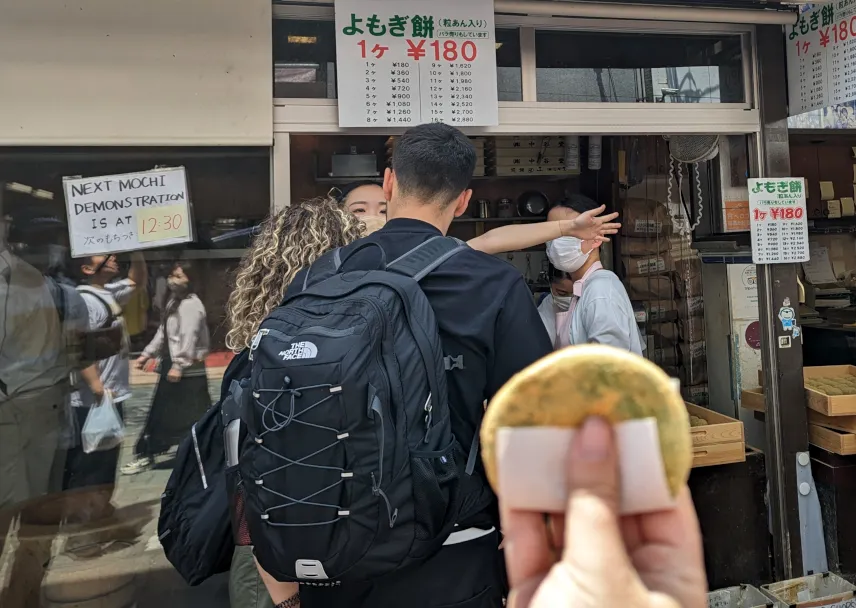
x=519, y=337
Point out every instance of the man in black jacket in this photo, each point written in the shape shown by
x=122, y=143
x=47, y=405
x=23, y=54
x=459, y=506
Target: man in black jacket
x=490, y=330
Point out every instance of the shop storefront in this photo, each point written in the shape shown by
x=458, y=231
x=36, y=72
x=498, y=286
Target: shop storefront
x=247, y=101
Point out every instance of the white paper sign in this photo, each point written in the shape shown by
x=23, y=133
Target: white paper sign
x=532, y=468
x=818, y=270
x=114, y=213
x=778, y=220
x=822, y=57
x=411, y=62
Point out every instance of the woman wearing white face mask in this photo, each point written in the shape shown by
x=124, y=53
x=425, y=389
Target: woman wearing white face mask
x=587, y=304
x=366, y=200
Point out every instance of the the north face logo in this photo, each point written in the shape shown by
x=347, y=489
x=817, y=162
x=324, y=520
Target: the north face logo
x=300, y=350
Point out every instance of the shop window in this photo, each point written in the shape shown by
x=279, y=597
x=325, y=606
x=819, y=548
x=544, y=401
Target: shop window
x=508, y=65
x=638, y=68
x=304, y=61
x=83, y=513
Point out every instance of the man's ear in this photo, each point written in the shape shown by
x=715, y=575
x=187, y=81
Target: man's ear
x=87, y=269
x=463, y=202
x=388, y=180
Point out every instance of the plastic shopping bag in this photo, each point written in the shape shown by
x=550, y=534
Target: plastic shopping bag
x=103, y=429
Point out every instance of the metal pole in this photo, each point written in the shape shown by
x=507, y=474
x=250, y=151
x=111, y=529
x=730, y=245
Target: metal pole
x=786, y=421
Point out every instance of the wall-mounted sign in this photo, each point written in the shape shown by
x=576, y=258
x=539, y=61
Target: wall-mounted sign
x=410, y=62
x=778, y=220
x=114, y=213
x=822, y=57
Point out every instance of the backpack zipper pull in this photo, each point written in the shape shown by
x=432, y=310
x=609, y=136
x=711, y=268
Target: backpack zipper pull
x=256, y=340
x=429, y=416
x=391, y=514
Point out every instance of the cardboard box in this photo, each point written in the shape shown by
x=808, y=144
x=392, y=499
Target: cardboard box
x=692, y=306
x=692, y=329
x=810, y=590
x=699, y=395
x=644, y=218
x=650, y=288
x=655, y=311
x=640, y=246
x=659, y=263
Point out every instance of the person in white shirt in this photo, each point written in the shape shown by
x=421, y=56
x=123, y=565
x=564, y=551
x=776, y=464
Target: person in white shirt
x=105, y=295
x=587, y=303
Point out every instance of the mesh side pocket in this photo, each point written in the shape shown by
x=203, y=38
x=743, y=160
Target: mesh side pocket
x=435, y=480
x=237, y=507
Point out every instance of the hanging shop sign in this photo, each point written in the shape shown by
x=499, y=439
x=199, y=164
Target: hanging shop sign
x=822, y=57
x=115, y=213
x=410, y=62
x=778, y=220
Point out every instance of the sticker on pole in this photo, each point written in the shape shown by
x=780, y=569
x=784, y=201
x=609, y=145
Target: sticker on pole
x=778, y=220
x=115, y=213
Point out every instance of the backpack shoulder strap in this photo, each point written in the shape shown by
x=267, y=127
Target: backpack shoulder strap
x=58, y=295
x=326, y=266
x=427, y=256
x=111, y=314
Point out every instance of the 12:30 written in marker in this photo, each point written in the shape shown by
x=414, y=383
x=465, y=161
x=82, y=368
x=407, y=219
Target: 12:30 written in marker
x=161, y=223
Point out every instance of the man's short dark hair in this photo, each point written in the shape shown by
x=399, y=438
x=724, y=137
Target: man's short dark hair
x=577, y=202
x=433, y=163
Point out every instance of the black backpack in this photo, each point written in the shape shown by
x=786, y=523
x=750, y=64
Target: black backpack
x=350, y=469
x=194, y=527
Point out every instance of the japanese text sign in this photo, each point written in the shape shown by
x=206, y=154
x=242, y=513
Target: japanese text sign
x=778, y=220
x=410, y=62
x=822, y=57
x=113, y=213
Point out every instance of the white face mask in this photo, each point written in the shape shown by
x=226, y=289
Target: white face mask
x=561, y=303
x=566, y=254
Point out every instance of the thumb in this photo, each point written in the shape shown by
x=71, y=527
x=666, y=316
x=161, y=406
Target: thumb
x=592, y=530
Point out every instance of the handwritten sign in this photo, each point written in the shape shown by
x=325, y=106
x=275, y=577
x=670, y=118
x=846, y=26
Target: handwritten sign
x=410, y=62
x=822, y=57
x=778, y=220
x=113, y=213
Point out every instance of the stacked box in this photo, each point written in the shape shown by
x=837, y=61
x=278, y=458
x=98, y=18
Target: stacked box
x=535, y=155
x=692, y=345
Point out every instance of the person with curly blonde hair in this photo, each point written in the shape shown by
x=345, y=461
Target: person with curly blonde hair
x=286, y=242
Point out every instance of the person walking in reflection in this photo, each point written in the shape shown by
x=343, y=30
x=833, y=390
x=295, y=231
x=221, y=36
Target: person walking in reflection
x=181, y=345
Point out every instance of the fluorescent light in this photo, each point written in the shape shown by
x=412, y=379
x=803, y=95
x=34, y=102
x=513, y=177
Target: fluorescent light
x=16, y=187
x=498, y=45
x=43, y=194
x=302, y=39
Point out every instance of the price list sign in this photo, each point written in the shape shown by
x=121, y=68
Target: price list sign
x=410, y=62
x=128, y=212
x=778, y=220
x=822, y=57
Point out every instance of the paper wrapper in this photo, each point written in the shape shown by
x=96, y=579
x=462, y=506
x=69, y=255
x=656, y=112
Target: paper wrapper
x=532, y=468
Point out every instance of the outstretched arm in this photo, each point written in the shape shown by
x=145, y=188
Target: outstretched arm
x=588, y=227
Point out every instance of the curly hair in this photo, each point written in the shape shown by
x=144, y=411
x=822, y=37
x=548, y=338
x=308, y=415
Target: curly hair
x=287, y=242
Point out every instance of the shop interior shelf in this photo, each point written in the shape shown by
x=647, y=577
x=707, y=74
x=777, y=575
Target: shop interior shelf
x=832, y=226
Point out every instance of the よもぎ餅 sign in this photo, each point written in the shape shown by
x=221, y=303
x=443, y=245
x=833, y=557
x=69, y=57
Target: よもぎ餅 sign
x=115, y=213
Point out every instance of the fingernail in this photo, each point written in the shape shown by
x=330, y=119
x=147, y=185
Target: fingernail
x=594, y=439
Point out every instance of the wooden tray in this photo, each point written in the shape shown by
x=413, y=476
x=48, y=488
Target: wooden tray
x=753, y=399
x=721, y=441
x=829, y=405
x=845, y=424
x=832, y=441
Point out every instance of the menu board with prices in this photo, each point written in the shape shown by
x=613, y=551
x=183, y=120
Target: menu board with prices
x=778, y=220
x=822, y=57
x=410, y=62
